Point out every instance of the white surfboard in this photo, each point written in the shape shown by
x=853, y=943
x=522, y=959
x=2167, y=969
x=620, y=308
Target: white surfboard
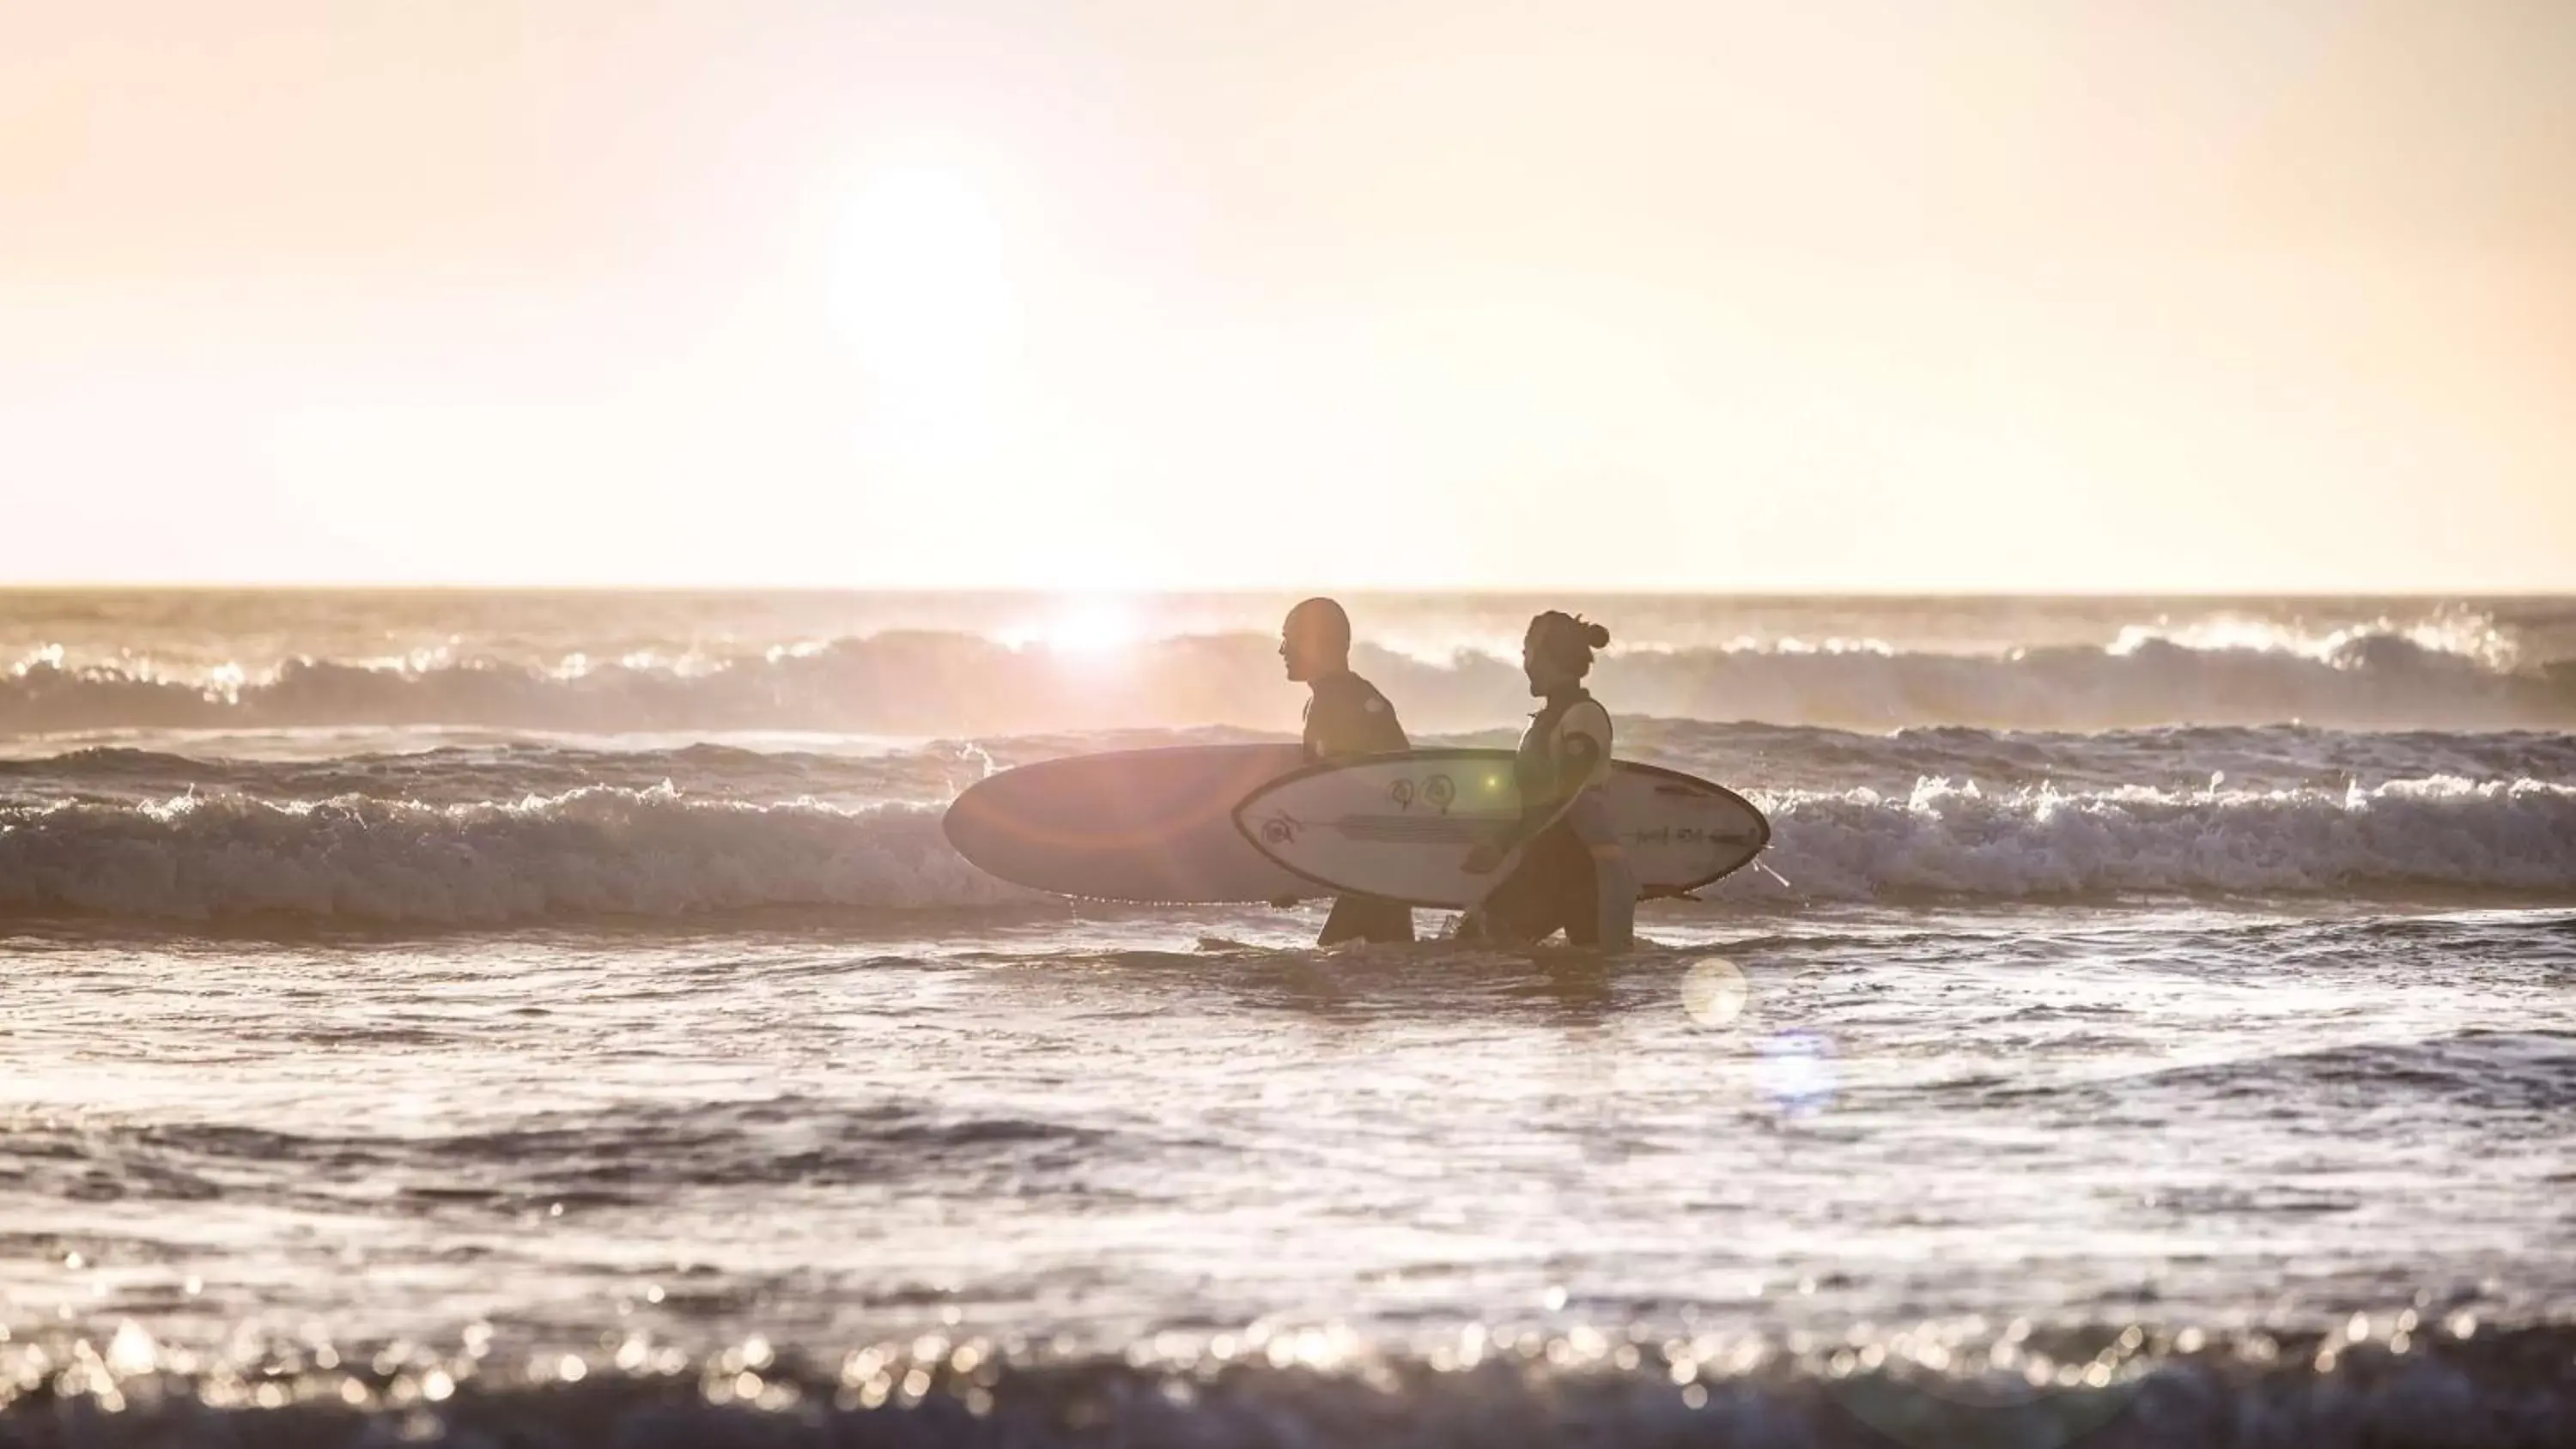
x=1400, y=826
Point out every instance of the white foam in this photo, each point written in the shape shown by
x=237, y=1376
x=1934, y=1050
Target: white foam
x=2470, y=635
x=1944, y=838
x=947, y=684
x=652, y=852
x=588, y=852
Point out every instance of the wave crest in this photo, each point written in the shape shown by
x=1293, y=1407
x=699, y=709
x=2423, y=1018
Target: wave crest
x=596, y=851
x=1945, y=839
x=936, y=683
x=606, y=851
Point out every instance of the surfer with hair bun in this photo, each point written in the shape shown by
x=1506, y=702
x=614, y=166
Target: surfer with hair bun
x=1572, y=874
x=1345, y=717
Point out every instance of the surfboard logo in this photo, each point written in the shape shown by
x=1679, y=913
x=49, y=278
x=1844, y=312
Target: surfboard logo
x=1436, y=792
x=1281, y=830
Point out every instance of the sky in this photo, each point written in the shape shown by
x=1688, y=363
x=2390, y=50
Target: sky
x=2131, y=295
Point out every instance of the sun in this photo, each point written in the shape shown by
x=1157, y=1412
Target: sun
x=1095, y=628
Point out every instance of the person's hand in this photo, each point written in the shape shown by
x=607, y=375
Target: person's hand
x=1283, y=902
x=1482, y=859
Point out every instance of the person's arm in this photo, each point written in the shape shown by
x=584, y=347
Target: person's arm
x=1578, y=754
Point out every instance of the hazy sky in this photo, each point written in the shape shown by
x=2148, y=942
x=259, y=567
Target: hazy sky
x=1893, y=295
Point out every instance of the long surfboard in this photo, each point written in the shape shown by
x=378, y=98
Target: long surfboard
x=1128, y=825
x=1400, y=826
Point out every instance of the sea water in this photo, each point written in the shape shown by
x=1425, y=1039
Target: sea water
x=558, y=1018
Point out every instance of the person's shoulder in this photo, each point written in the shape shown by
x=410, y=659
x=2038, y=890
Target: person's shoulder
x=1357, y=693
x=1586, y=717
x=1361, y=719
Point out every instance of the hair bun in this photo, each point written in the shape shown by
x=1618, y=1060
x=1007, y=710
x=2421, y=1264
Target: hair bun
x=1596, y=636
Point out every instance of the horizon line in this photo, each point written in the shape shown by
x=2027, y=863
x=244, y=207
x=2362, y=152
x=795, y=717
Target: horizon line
x=305, y=586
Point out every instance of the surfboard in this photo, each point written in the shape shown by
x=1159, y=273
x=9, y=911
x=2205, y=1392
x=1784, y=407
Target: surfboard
x=1128, y=825
x=1400, y=826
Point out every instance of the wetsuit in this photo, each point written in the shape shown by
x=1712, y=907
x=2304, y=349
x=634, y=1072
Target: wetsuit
x=1346, y=717
x=1572, y=876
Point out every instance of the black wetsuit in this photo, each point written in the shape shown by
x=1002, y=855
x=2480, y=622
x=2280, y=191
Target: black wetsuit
x=1572, y=875
x=1346, y=717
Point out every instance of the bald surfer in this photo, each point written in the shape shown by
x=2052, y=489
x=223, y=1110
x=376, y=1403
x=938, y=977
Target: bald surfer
x=1345, y=717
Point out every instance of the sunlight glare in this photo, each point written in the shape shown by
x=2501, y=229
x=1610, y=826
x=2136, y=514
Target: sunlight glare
x=1092, y=628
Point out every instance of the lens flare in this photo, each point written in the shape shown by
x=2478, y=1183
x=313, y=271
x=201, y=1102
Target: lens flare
x=1797, y=1072
x=1714, y=992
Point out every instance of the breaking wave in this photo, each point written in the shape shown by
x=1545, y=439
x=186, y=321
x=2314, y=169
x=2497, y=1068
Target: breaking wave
x=595, y=851
x=947, y=683
x=2406, y=835
x=1777, y=758
x=658, y=853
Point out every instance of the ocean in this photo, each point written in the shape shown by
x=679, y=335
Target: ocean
x=557, y=1018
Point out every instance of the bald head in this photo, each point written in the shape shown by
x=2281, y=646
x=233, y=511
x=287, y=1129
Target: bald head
x=1315, y=640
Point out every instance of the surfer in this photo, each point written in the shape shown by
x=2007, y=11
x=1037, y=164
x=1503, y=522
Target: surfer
x=1573, y=877
x=1345, y=716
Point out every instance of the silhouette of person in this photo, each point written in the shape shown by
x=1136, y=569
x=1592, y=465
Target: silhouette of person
x=1572, y=876
x=1345, y=716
